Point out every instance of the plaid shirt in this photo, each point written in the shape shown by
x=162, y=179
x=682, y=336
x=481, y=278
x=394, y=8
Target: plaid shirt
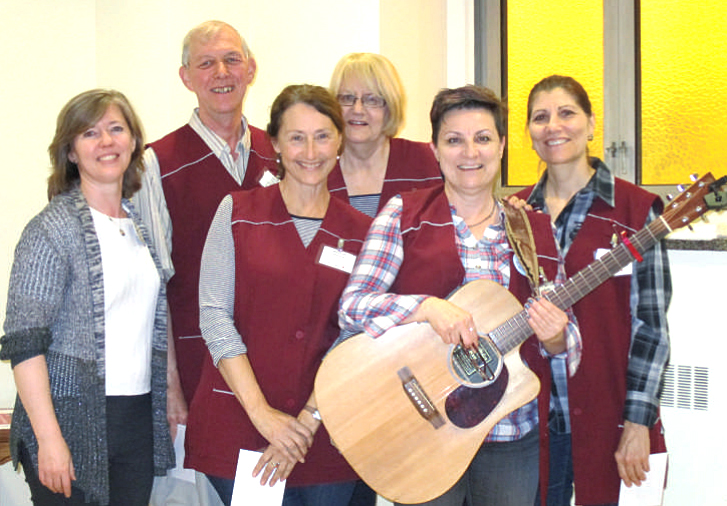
x=367, y=306
x=650, y=296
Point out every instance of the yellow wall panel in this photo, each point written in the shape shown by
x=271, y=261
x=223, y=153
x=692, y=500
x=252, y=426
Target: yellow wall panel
x=683, y=88
x=543, y=38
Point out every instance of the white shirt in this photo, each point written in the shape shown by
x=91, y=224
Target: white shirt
x=131, y=287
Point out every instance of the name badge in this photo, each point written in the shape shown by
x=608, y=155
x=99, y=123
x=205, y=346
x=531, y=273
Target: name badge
x=626, y=271
x=337, y=259
x=268, y=179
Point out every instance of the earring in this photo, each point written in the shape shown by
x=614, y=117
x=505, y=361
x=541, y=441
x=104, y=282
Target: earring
x=338, y=157
x=590, y=137
x=277, y=160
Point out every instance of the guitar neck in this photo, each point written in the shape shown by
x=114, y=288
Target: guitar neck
x=516, y=330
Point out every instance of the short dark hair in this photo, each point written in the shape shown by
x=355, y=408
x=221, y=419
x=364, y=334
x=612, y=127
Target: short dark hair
x=467, y=97
x=568, y=84
x=315, y=96
x=81, y=113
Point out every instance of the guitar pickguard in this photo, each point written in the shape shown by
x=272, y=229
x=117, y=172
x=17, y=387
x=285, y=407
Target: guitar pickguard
x=467, y=407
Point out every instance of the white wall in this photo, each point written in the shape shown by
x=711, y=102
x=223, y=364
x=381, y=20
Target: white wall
x=54, y=50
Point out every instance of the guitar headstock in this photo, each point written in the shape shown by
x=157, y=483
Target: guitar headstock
x=696, y=200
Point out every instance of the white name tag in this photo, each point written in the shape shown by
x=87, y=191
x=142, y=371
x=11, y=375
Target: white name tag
x=268, y=179
x=337, y=259
x=626, y=271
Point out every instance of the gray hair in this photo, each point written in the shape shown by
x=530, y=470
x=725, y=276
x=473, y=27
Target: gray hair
x=204, y=32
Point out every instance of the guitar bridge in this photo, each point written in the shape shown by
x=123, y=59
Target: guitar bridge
x=419, y=398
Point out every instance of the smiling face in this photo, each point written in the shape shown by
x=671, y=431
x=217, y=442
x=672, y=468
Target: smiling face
x=559, y=128
x=103, y=151
x=308, y=143
x=218, y=73
x=469, y=149
x=363, y=124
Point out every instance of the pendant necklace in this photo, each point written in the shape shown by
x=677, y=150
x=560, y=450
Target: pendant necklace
x=117, y=222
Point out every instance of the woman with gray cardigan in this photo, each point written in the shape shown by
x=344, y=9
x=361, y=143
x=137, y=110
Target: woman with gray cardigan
x=85, y=327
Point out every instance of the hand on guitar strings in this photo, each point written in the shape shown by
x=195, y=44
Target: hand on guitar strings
x=548, y=322
x=452, y=323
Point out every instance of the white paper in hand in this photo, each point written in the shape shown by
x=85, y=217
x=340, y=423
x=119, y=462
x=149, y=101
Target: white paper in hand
x=651, y=491
x=247, y=490
x=180, y=472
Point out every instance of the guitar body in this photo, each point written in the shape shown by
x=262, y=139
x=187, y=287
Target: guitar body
x=399, y=452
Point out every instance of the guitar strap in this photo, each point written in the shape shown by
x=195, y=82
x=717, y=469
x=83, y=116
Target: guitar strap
x=521, y=239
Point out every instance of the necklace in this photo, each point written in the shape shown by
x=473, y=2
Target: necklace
x=492, y=211
x=118, y=223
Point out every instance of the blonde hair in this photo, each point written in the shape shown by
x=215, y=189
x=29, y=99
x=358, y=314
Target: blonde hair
x=378, y=74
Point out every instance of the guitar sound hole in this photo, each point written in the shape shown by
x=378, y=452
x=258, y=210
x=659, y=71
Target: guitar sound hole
x=476, y=368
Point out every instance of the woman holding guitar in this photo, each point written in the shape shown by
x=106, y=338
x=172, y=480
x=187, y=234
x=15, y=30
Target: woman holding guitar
x=615, y=393
x=424, y=244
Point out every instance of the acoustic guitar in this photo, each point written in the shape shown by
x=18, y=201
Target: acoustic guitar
x=409, y=412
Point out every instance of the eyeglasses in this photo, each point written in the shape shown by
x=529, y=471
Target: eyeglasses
x=369, y=101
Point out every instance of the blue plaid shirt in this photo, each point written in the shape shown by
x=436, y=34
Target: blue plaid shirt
x=367, y=306
x=650, y=296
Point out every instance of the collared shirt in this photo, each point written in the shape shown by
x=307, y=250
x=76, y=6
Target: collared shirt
x=150, y=200
x=649, y=301
x=367, y=306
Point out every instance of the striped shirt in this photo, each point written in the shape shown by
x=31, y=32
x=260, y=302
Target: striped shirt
x=366, y=306
x=367, y=204
x=650, y=296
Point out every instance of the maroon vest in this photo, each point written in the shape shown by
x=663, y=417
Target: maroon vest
x=194, y=183
x=411, y=166
x=597, y=392
x=286, y=306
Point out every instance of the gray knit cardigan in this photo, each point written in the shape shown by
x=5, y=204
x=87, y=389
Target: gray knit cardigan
x=56, y=308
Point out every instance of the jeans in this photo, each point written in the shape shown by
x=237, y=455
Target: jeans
x=363, y=495
x=131, y=459
x=500, y=474
x=329, y=494
x=560, y=469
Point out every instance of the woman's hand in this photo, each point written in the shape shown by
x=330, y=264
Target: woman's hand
x=453, y=324
x=55, y=465
x=284, y=432
x=275, y=465
x=548, y=322
x=518, y=203
x=632, y=455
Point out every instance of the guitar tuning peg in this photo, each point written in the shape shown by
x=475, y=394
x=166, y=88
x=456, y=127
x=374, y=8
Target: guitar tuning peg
x=681, y=188
x=669, y=197
x=704, y=218
x=691, y=229
x=694, y=176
